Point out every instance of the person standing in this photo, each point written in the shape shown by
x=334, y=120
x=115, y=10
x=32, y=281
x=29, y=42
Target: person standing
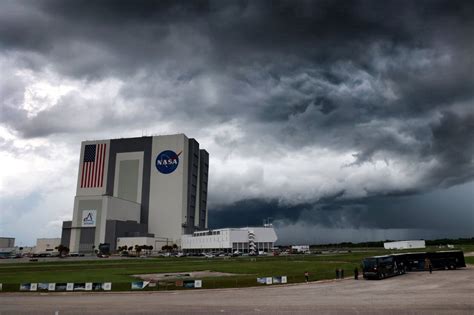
x=356, y=273
x=306, y=276
x=342, y=273
x=428, y=265
x=337, y=273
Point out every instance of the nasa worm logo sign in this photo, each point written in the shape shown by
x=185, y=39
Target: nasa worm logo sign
x=167, y=161
x=89, y=217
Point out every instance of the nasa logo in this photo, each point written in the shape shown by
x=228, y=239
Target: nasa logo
x=88, y=219
x=167, y=161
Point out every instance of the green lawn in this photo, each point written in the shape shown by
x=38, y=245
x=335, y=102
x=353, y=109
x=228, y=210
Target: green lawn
x=248, y=269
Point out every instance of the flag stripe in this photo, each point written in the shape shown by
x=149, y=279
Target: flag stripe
x=84, y=170
x=88, y=174
x=89, y=171
x=94, y=166
x=99, y=168
x=103, y=165
x=97, y=179
x=97, y=173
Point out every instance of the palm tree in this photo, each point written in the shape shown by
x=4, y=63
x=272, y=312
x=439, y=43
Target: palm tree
x=62, y=250
x=138, y=249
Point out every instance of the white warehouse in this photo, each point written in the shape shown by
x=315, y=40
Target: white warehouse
x=405, y=244
x=244, y=240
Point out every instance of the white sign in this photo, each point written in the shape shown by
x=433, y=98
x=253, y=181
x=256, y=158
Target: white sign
x=107, y=286
x=34, y=287
x=52, y=287
x=269, y=280
x=70, y=287
x=284, y=279
x=89, y=218
x=88, y=286
x=198, y=283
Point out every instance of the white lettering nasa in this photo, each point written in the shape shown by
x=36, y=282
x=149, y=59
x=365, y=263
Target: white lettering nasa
x=167, y=162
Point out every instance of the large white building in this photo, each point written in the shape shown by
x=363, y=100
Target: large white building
x=244, y=240
x=138, y=187
x=300, y=248
x=47, y=245
x=7, y=242
x=404, y=244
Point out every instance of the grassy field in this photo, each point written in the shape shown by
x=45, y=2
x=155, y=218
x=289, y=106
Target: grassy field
x=247, y=269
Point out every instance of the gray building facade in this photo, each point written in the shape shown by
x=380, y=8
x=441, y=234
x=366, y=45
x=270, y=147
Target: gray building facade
x=7, y=242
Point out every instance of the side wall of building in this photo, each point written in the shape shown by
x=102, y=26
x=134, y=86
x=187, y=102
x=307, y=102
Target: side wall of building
x=203, y=184
x=234, y=239
x=66, y=233
x=47, y=245
x=7, y=242
x=168, y=202
x=192, y=189
x=116, y=229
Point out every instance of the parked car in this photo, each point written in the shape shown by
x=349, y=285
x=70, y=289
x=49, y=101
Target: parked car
x=76, y=255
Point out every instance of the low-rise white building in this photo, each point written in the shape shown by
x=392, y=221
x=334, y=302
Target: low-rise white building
x=244, y=240
x=47, y=245
x=404, y=244
x=156, y=242
x=300, y=248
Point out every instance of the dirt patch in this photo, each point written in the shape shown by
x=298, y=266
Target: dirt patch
x=183, y=275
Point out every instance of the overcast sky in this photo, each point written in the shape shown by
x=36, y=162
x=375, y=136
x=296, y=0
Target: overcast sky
x=340, y=120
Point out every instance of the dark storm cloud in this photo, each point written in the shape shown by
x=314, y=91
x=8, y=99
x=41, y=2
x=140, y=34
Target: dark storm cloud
x=253, y=212
x=447, y=211
x=453, y=145
x=134, y=34
x=386, y=81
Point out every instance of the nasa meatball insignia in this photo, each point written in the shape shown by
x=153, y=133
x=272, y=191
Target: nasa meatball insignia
x=167, y=161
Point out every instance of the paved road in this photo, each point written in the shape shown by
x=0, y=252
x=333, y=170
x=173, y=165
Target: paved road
x=443, y=292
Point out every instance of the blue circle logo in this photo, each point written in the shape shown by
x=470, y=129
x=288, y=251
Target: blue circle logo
x=167, y=161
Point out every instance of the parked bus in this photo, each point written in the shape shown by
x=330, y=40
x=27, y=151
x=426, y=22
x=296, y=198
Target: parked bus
x=380, y=267
x=439, y=260
x=447, y=259
x=414, y=261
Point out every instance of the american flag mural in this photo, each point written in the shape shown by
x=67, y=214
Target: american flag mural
x=93, y=165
